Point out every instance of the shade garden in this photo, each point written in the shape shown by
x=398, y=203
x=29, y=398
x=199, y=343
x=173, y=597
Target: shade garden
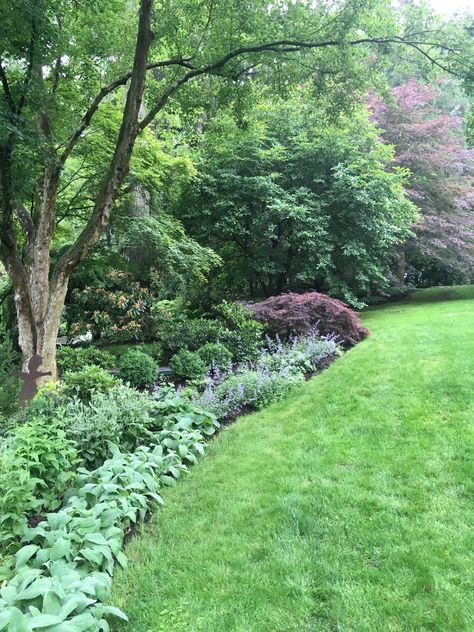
x=236, y=272
x=346, y=506
x=85, y=461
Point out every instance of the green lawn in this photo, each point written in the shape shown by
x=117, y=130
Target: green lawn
x=348, y=507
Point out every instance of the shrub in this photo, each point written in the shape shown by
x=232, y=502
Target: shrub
x=188, y=365
x=75, y=358
x=291, y=313
x=138, y=369
x=244, y=335
x=88, y=380
x=215, y=354
x=118, y=309
x=183, y=333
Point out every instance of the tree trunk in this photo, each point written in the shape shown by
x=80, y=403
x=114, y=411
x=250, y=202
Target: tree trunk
x=401, y=265
x=40, y=294
x=38, y=331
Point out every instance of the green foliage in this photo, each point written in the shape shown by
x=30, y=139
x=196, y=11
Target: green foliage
x=120, y=416
x=188, y=365
x=137, y=368
x=70, y=555
x=246, y=334
x=180, y=332
x=9, y=384
x=88, y=380
x=115, y=309
x=75, y=358
x=215, y=354
x=184, y=414
x=37, y=465
x=61, y=576
x=296, y=198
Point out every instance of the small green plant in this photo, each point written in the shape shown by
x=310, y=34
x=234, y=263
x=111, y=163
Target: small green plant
x=188, y=365
x=75, y=358
x=121, y=416
x=37, y=466
x=138, y=369
x=215, y=354
x=83, y=383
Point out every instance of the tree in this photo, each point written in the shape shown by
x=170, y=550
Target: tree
x=60, y=61
x=431, y=143
x=294, y=199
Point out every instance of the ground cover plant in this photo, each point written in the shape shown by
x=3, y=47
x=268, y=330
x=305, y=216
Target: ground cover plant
x=60, y=575
x=346, y=506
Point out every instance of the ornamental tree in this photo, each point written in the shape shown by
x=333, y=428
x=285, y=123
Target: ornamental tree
x=61, y=61
x=431, y=143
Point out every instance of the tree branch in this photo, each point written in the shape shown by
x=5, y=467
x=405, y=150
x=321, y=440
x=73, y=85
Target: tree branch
x=106, y=90
x=6, y=88
x=285, y=46
x=120, y=162
x=29, y=71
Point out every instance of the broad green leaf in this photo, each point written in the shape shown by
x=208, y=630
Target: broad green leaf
x=24, y=554
x=44, y=621
x=51, y=603
x=60, y=549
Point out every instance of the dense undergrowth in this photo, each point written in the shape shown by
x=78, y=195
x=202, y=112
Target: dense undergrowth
x=85, y=461
x=346, y=506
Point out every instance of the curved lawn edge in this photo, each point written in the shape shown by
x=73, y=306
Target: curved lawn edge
x=345, y=505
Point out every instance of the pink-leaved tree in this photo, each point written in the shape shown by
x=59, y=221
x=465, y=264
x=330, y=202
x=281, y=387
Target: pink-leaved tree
x=431, y=143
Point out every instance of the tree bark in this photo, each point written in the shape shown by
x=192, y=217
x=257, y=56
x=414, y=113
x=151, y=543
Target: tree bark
x=40, y=294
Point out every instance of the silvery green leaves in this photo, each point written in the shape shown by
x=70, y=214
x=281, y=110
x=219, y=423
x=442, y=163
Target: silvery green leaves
x=61, y=576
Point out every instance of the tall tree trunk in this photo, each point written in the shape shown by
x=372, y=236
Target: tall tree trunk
x=38, y=333
x=40, y=294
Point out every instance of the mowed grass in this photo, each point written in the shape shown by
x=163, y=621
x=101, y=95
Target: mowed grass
x=347, y=507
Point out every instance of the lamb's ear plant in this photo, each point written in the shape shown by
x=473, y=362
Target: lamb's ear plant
x=60, y=578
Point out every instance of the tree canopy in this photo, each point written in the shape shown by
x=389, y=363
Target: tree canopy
x=87, y=89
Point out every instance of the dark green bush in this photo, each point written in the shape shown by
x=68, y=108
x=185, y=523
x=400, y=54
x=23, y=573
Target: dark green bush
x=88, y=380
x=138, y=369
x=245, y=334
x=9, y=384
x=215, y=354
x=183, y=333
x=75, y=358
x=188, y=365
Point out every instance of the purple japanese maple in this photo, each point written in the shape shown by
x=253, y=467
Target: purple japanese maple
x=431, y=143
